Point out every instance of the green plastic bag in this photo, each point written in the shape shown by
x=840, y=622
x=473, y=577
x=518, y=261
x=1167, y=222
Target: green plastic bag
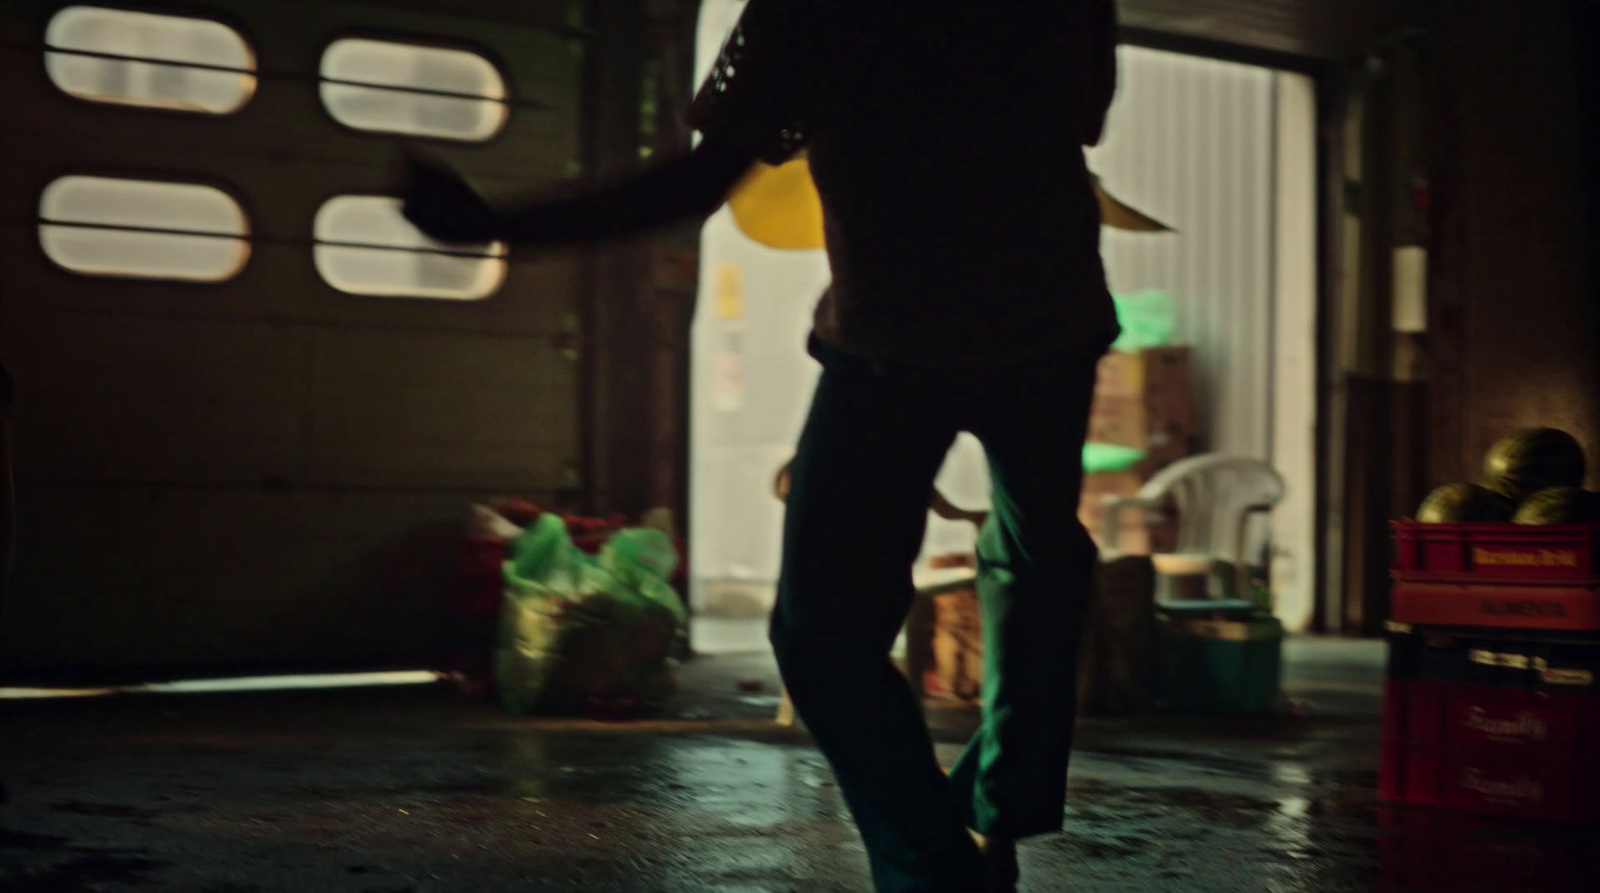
x=1148, y=319
x=581, y=633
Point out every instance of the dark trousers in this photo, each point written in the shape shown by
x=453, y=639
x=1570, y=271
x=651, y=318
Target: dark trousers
x=857, y=512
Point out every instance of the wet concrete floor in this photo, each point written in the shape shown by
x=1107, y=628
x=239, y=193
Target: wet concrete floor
x=415, y=789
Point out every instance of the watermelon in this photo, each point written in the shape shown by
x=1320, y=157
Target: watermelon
x=1464, y=502
x=1533, y=459
x=1559, y=505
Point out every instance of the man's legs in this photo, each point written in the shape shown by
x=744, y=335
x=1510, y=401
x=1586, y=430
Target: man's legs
x=857, y=512
x=1036, y=564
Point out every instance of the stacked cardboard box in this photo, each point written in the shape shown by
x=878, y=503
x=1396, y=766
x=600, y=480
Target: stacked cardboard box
x=1117, y=666
x=1143, y=400
x=944, y=645
x=956, y=646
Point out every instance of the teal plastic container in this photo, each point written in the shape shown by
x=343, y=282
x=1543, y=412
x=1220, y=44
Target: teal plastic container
x=1220, y=665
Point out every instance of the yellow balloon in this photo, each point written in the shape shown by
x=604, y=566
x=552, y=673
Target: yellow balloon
x=779, y=207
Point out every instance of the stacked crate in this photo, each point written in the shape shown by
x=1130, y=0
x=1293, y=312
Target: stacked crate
x=1143, y=400
x=1490, y=704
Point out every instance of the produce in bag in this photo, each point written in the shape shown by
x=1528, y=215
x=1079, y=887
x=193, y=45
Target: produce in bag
x=586, y=634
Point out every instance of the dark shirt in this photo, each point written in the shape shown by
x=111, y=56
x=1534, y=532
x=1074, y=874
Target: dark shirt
x=946, y=140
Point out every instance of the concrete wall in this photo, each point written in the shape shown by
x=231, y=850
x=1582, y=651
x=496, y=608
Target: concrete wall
x=1514, y=322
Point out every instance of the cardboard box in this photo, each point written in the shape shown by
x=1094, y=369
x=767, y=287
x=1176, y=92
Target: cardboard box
x=1120, y=421
x=1142, y=401
x=1131, y=422
x=1163, y=370
x=956, y=647
x=1114, y=483
x=1145, y=401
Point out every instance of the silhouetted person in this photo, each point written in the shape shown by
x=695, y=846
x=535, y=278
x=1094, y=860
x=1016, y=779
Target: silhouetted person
x=946, y=140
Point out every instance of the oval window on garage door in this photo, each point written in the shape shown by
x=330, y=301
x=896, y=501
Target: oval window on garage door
x=154, y=61
x=143, y=229
x=365, y=247
x=405, y=88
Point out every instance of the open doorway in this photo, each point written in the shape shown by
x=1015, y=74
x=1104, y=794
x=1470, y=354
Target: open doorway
x=1223, y=153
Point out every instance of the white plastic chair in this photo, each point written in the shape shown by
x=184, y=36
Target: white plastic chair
x=1216, y=495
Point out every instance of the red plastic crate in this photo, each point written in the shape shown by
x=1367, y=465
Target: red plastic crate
x=478, y=576
x=1483, y=717
x=1498, y=552
x=1427, y=602
x=1443, y=851
x=1490, y=780
x=1487, y=750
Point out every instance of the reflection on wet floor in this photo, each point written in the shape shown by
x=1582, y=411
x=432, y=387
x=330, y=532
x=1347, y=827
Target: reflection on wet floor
x=415, y=790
